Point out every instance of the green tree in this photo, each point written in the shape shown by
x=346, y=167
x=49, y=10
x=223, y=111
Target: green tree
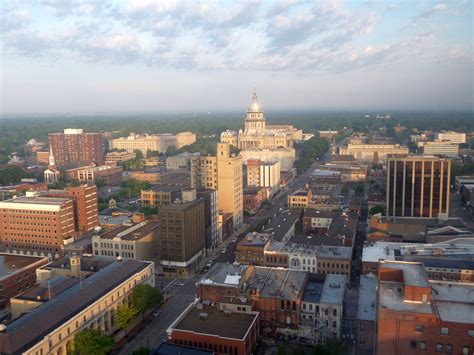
x=145, y=297
x=92, y=342
x=281, y=350
x=149, y=210
x=138, y=154
x=141, y=351
x=12, y=174
x=125, y=314
x=344, y=190
x=359, y=190
x=378, y=209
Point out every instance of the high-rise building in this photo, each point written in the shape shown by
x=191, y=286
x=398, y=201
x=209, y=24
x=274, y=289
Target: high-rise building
x=211, y=216
x=86, y=208
x=181, y=234
x=418, y=186
x=76, y=147
x=35, y=224
x=264, y=174
x=230, y=183
x=204, y=172
x=224, y=174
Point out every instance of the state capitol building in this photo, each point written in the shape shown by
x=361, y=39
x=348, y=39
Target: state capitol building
x=258, y=135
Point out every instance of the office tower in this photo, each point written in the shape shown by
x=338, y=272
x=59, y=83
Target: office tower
x=418, y=186
x=210, y=217
x=181, y=234
x=36, y=224
x=75, y=147
x=230, y=183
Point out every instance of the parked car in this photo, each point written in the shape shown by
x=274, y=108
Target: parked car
x=157, y=313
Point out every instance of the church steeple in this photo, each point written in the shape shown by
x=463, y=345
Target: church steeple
x=52, y=162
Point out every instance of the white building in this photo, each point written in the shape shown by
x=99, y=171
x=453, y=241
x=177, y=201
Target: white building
x=451, y=136
x=264, y=174
x=440, y=148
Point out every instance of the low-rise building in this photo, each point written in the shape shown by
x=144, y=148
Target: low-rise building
x=117, y=157
x=451, y=136
x=107, y=174
x=49, y=328
x=17, y=273
x=366, y=315
x=416, y=315
x=300, y=198
x=149, y=177
x=321, y=308
x=253, y=198
x=180, y=161
x=282, y=226
x=222, y=332
x=372, y=153
x=444, y=148
x=139, y=242
x=250, y=250
x=9, y=191
x=161, y=195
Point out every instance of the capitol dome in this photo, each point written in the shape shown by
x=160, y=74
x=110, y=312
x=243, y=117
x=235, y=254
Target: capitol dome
x=254, y=104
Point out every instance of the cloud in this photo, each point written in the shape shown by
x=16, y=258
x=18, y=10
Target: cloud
x=210, y=35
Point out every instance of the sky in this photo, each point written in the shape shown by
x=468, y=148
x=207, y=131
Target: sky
x=60, y=56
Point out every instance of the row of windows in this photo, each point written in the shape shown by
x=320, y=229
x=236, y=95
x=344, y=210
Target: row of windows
x=231, y=350
x=419, y=328
x=439, y=347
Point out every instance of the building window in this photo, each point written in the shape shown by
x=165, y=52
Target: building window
x=422, y=345
x=470, y=333
x=449, y=348
x=444, y=331
x=413, y=344
x=465, y=350
x=439, y=347
x=419, y=328
x=334, y=312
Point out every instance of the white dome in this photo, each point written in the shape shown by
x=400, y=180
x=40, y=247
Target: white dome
x=254, y=104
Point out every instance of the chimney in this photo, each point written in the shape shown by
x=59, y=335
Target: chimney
x=75, y=261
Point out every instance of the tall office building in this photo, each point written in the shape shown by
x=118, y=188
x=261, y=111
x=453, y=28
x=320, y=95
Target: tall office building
x=181, y=235
x=418, y=186
x=211, y=216
x=73, y=146
x=224, y=174
x=36, y=225
x=230, y=197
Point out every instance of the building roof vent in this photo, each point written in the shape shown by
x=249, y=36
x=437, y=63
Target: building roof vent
x=203, y=316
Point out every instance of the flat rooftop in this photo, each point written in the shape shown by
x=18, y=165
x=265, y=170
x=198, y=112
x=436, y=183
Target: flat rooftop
x=367, y=297
x=234, y=326
x=255, y=239
x=10, y=263
x=335, y=252
x=334, y=289
x=391, y=297
x=36, y=200
x=373, y=253
x=224, y=274
x=168, y=188
x=280, y=225
x=325, y=173
x=27, y=330
x=313, y=291
x=277, y=281
x=413, y=273
x=131, y=232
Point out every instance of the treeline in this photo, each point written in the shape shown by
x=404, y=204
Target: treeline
x=311, y=149
x=12, y=174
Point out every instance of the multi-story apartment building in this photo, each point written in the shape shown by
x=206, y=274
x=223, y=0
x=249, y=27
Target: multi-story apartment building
x=50, y=325
x=444, y=148
x=135, y=241
x=451, y=136
x=161, y=195
x=372, y=152
x=264, y=174
x=418, y=186
x=86, y=207
x=36, y=225
x=182, y=235
x=76, y=147
x=419, y=316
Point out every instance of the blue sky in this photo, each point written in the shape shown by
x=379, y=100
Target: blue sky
x=160, y=56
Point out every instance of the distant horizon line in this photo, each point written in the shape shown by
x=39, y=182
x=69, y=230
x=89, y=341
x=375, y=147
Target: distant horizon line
x=204, y=112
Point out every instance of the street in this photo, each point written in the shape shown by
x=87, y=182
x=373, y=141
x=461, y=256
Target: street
x=154, y=333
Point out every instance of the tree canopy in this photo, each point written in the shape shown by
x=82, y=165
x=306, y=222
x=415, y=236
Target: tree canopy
x=12, y=174
x=125, y=314
x=92, y=342
x=145, y=297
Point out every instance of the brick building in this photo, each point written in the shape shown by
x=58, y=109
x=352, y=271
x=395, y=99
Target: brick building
x=418, y=316
x=253, y=198
x=161, y=195
x=17, y=273
x=37, y=225
x=250, y=250
x=75, y=147
x=110, y=175
x=220, y=331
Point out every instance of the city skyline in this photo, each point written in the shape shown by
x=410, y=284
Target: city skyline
x=80, y=57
